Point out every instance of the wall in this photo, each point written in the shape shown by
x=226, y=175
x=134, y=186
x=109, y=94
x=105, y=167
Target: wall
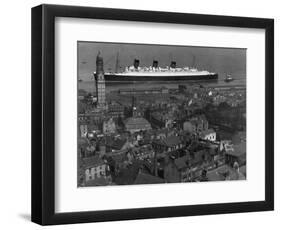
x=15, y=113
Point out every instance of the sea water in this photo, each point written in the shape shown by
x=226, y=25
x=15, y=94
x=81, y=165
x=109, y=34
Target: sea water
x=239, y=80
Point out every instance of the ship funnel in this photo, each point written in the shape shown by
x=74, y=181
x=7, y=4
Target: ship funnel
x=173, y=64
x=155, y=64
x=136, y=63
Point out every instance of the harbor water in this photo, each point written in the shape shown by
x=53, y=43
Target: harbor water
x=239, y=81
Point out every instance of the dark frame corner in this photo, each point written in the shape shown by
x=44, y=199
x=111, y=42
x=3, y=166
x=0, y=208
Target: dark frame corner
x=43, y=126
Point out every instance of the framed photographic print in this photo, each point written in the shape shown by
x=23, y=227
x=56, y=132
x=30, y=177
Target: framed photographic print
x=142, y=114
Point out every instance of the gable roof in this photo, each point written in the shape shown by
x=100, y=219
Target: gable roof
x=207, y=132
x=144, y=178
x=169, y=141
x=181, y=162
x=116, y=144
x=92, y=161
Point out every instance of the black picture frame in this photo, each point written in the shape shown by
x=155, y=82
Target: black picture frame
x=43, y=114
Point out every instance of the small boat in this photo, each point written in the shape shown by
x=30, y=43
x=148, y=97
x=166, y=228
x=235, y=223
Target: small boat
x=228, y=78
x=80, y=80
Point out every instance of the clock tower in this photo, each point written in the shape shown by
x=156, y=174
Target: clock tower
x=100, y=82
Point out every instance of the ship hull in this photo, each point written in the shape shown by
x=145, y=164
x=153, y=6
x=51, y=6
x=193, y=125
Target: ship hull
x=132, y=78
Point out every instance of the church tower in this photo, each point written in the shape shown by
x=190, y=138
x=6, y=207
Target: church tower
x=100, y=82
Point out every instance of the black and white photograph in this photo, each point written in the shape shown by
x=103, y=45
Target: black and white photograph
x=139, y=115
x=156, y=114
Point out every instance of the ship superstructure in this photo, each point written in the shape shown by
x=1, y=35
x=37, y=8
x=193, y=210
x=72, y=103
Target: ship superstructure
x=157, y=73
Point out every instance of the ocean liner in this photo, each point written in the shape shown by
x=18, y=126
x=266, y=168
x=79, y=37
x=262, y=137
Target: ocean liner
x=156, y=73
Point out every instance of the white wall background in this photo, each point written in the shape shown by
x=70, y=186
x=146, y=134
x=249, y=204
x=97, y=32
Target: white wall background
x=15, y=113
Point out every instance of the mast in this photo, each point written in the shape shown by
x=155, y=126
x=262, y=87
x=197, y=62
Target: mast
x=117, y=63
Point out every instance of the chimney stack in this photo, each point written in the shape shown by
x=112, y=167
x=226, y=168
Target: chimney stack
x=136, y=63
x=155, y=64
x=173, y=64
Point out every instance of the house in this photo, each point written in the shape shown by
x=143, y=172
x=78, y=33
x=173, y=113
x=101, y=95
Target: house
x=93, y=128
x=182, y=164
x=94, y=168
x=82, y=143
x=225, y=145
x=208, y=134
x=199, y=157
x=83, y=129
x=144, y=152
x=225, y=172
x=196, y=124
x=176, y=169
x=127, y=174
x=171, y=173
x=167, y=144
x=162, y=133
x=162, y=119
x=116, y=144
x=218, y=99
x=136, y=124
x=144, y=178
x=109, y=126
x=115, y=110
x=236, y=154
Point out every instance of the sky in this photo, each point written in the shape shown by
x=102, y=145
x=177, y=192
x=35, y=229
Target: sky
x=220, y=60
